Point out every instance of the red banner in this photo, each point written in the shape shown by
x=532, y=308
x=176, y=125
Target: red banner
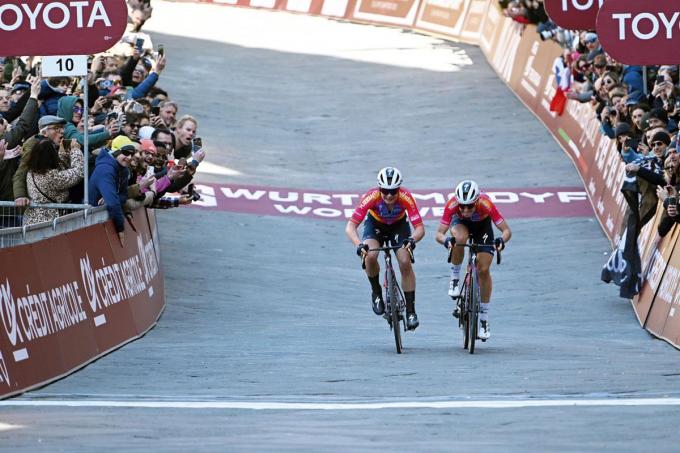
x=573, y=14
x=637, y=32
x=67, y=300
x=59, y=27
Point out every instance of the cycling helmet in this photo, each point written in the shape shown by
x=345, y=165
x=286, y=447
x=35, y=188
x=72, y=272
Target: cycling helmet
x=467, y=192
x=389, y=178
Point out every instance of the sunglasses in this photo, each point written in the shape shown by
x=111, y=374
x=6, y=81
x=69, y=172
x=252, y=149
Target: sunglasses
x=668, y=168
x=77, y=110
x=128, y=150
x=135, y=125
x=465, y=207
x=389, y=191
x=655, y=144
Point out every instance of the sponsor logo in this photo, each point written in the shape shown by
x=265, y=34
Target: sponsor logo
x=4, y=373
x=573, y=14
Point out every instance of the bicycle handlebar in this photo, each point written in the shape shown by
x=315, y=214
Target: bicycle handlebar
x=384, y=249
x=474, y=247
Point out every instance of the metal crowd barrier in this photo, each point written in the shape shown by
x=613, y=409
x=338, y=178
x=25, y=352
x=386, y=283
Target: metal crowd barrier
x=13, y=230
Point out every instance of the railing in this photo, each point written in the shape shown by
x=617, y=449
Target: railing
x=13, y=231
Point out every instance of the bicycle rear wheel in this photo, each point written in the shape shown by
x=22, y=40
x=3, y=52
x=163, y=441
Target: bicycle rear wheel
x=394, y=293
x=474, y=311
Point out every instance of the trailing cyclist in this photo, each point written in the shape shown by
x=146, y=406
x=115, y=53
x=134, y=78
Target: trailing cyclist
x=387, y=210
x=470, y=212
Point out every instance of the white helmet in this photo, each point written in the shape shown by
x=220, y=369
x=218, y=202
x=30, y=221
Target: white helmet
x=467, y=192
x=389, y=178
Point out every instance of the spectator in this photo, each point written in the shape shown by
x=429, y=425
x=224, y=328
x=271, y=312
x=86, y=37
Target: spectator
x=47, y=182
x=168, y=113
x=183, y=135
x=71, y=110
x=51, y=90
x=109, y=182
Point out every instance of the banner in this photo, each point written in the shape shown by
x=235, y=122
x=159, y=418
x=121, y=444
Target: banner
x=638, y=32
x=573, y=14
x=59, y=27
x=66, y=300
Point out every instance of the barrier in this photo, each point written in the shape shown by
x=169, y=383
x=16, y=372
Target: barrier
x=67, y=300
x=524, y=63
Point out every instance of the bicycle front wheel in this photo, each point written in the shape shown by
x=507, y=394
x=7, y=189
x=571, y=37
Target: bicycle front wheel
x=394, y=293
x=474, y=311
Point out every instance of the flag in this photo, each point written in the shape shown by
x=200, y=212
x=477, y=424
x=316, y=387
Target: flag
x=559, y=102
x=624, y=267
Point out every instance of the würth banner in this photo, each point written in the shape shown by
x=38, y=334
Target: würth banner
x=639, y=32
x=67, y=300
x=60, y=27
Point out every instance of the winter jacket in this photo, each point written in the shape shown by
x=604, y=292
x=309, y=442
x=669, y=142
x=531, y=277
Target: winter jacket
x=14, y=137
x=109, y=182
x=65, y=110
x=52, y=187
x=50, y=97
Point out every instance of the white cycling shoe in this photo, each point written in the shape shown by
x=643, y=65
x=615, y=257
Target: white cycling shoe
x=454, y=288
x=484, y=332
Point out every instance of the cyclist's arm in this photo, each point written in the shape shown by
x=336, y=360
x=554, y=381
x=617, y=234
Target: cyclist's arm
x=351, y=232
x=441, y=233
x=505, y=230
x=418, y=232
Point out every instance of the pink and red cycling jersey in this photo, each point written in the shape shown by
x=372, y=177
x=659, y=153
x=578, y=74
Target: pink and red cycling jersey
x=484, y=208
x=373, y=204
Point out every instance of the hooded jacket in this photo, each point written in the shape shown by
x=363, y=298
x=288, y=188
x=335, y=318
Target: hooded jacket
x=110, y=182
x=65, y=111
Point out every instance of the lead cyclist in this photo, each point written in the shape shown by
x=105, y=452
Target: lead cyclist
x=387, y=210
x=470, y=211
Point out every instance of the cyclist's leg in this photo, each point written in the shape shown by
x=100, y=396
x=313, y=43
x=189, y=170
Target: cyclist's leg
x=460, y=232
x=401, y=231
x=371, y=234
x=482, y=233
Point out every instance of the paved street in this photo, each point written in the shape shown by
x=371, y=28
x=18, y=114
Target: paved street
x=264, y=310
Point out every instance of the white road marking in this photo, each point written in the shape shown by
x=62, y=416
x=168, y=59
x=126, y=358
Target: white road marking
x=255, y=405
x=214, y=169
x=7, y=426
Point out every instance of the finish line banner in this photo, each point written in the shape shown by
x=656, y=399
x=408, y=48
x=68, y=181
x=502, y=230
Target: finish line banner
x=545, y=202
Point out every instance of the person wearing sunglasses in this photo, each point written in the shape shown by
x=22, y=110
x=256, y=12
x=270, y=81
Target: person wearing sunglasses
x=387, y=211
x=109, y=182
x=471, y=211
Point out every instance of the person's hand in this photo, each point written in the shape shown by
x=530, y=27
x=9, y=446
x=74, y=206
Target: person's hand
x=16, y=75
x=672, y=210
x=199, y=155
x=146, y=182
x=157, y=122
x=175, y=173
x=449, y=242
x=35, y=86
x=136, y=54
x=632, y=168
x=22, y=201
x=160, y=64
x=409, y=243
x=3, y=148
x=113, y=128
x=121, y=238
x=499, y=243
x=75, y=144
x=362, y=249
x=98, y=105
x=642, y=148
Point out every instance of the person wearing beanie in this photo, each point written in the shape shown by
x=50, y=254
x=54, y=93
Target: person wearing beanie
x=627, y=142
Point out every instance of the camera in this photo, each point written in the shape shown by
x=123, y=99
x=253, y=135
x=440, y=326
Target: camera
x=191, y=190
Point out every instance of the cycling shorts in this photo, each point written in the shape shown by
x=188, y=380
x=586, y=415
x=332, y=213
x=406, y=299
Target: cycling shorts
x=482, y=232
x=396, y=233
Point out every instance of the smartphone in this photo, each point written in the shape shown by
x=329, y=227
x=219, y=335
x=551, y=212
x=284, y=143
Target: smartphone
x=139, y=43
x=121, y=121
x=155, y=110
x=161, y=50
x=197, y=143
x=66, y=144
x=660, y=79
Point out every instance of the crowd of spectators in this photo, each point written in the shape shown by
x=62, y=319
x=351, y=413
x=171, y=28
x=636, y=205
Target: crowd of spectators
x=140, y=153
x=637, y=107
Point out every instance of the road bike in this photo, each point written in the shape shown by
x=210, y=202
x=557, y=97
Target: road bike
x=469, y=300
x=395, y=303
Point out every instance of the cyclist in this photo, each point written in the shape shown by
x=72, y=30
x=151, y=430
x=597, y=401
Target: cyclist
x=470, y=211
x=385, y=209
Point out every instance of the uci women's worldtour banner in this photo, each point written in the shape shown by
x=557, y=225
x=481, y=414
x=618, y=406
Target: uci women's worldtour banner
x=70, y=299
x=60, y=27
x=638, y=32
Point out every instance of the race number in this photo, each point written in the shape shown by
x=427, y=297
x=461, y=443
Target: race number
x=64, y=66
